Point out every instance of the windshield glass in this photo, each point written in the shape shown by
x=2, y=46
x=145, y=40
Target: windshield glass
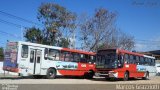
x=106, y=59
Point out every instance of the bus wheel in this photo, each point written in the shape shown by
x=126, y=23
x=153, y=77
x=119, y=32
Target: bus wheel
x=146, y=76
x=126, y=76
x=89, y=75
x=51, y=73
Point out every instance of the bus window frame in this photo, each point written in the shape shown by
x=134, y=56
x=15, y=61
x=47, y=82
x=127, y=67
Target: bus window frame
x=137, y=60
x=141, y=60
x=54, y=58
x=73, y=54
x=83, y=60
x=121, y=60
x=63, y=56
x=126, y=58
x=24, y=54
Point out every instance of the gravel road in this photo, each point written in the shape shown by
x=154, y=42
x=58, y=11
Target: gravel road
x=71, y=80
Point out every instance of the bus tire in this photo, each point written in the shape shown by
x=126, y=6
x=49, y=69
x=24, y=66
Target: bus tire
x=146, y=77
x=51, y=73
x=126, y=76
x=89, y=75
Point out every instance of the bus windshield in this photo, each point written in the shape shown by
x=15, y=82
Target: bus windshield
x=106, y=59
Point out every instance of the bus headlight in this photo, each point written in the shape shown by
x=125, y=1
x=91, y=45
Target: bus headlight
x=113, y=74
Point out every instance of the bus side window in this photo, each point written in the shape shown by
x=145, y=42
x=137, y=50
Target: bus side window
x=53, y=54
x=66, y=56
x=127, y=58
x=62, y=55
x=149, y=61
x=57, y=57
x=141, y=60
x=83, y=58
x=137, y=60
x=89, y=59
x=75, y=57
x=92, y=59
x=131, y=59
x=153, y=62
x=120, y=60
x=146, y=62
x=24, y=51
x=134, y=59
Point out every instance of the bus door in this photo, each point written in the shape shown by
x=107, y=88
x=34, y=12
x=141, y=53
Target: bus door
x=35, y=60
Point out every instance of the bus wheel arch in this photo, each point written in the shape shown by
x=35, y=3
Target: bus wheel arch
x=89, y=74
x=126, y=75
x=146, y=76
x=51, y=73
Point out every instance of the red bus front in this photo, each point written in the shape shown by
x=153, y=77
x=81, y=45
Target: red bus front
x=107, y=63
x=115, y=63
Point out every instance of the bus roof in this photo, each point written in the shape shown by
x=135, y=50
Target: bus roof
x=78, y=51
x=129, y=52
x=135, y=53
x=56, y=47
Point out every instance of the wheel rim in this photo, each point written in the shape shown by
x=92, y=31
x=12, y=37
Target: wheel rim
x=126, y=76
x=51, y=74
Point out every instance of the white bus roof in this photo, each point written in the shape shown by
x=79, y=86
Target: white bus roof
x=39, y=45
x=149, y=56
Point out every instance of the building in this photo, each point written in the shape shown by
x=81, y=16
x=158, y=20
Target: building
x=155, y=53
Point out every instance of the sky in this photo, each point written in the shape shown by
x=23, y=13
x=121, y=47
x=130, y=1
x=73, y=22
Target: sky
x=139, y=18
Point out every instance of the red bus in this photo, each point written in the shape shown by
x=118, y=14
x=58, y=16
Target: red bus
x=37, y=60
x=116, y=63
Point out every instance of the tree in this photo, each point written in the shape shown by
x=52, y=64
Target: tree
x=57, y=20
x=63, y=42
x=58, y=23
x=34, y=35
x=95, y=29
x=100, y=31
x=118, y=39
x=1, y=54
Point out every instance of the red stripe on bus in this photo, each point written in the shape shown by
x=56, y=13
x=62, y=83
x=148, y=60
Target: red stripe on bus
x=10, y=69
x=78, y=51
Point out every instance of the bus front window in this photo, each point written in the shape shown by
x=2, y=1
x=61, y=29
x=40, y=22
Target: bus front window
x=106, y=59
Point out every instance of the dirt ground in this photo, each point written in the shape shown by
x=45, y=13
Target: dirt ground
x=73, y=80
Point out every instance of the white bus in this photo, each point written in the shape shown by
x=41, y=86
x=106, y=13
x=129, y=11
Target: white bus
x=42, y=60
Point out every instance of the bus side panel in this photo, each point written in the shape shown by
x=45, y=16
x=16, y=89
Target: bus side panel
x=67, y=68
x=76, y=69
x=141, y=69
x=151, y=70
x=132, y=68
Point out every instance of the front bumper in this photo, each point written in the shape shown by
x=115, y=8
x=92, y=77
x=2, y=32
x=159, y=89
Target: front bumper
x=107, y=75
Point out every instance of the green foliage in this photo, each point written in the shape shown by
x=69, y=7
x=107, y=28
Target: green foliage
x=34, y=35
x=56, y=16
x=57, y=20
x=64, y=42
